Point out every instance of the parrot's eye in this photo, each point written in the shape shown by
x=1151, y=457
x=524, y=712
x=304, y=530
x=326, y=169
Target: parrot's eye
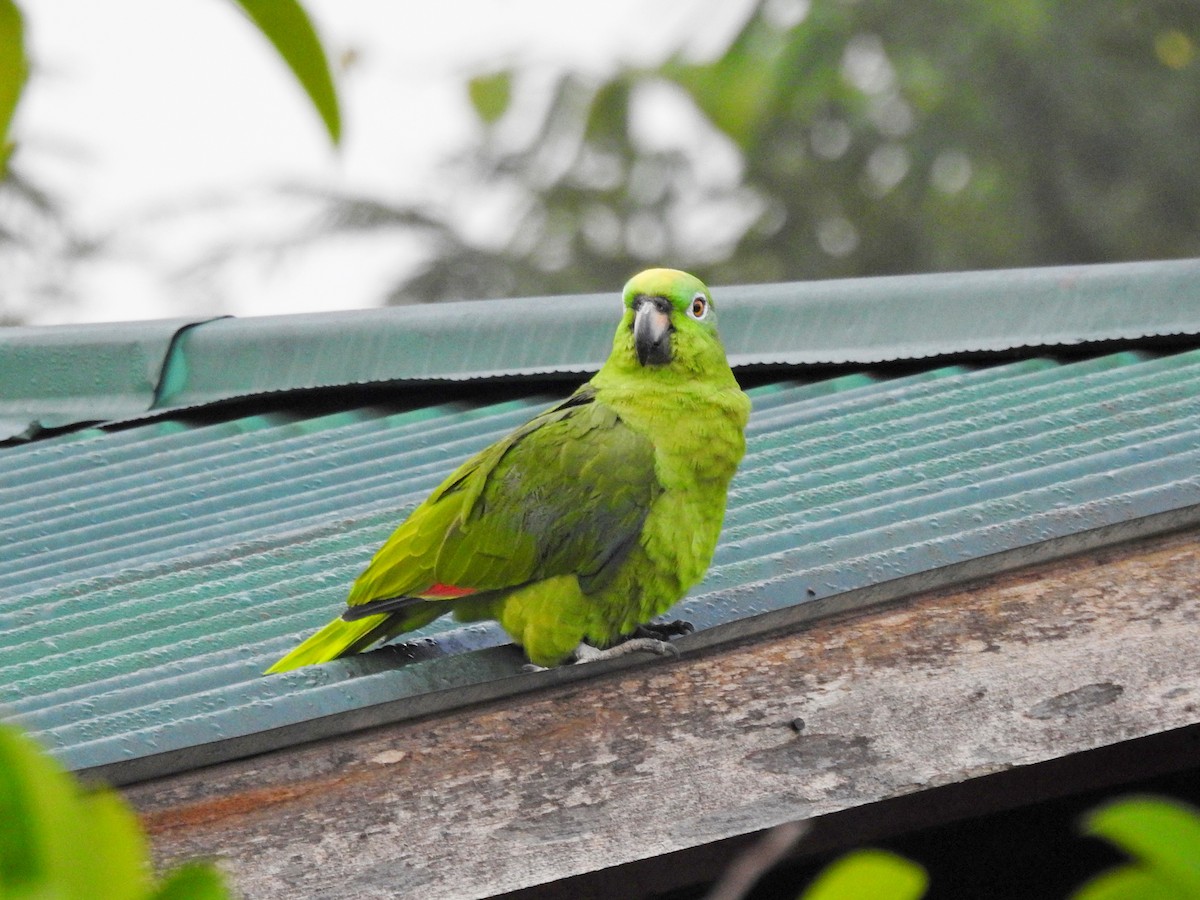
x=699, y=308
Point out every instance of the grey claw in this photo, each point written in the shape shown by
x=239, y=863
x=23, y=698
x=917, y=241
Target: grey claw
x=586, y=653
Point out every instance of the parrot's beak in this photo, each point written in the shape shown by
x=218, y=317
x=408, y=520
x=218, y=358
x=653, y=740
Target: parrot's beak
x=652, y=331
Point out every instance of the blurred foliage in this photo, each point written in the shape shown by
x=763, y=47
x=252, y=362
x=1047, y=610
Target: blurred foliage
x=490, y=95
x=39, y=244
x=283, y=22
x=13, y=71
x=1160, y=836
x=38, y=247
x=839, y=138
x=1163, y=840
x=829, y=138
x=869, y=873
x=59, y=840
x=286, y=25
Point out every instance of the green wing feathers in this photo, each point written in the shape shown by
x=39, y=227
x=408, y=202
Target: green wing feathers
x=483, y=528
x=564, y=494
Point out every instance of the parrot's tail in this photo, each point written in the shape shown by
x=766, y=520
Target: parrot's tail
x=340, y=638
x=336, y=639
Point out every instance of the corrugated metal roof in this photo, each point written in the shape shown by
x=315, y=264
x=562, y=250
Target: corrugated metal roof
x=174, y=365
x=149, y=574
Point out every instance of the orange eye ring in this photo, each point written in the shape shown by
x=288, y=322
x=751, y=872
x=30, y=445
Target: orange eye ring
x=699, y=307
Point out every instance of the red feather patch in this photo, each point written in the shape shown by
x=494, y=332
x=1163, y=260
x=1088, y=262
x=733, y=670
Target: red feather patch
x=445, y=592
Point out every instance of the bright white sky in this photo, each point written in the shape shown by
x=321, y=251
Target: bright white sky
x=139, y=105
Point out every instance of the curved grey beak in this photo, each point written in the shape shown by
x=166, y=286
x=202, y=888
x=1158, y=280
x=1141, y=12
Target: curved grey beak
x=652, y=331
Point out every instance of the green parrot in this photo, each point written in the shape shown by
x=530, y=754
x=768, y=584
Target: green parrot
x=586, y=522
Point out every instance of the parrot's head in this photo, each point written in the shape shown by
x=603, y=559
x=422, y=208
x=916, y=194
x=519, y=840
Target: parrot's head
x=670, y=322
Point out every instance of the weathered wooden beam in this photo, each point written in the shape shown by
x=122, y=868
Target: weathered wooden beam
x=941, y=688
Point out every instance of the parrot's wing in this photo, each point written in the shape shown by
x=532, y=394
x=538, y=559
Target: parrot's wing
x=565, y=493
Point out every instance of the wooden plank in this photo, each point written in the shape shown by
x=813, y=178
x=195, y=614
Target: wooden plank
x=853, y=710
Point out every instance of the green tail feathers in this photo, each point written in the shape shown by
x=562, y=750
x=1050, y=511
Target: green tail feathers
x=336, y=639
x=341, y=638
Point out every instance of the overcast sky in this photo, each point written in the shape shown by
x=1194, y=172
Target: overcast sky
x=139, y=105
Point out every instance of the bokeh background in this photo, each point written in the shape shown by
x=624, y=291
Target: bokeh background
x=167, y=163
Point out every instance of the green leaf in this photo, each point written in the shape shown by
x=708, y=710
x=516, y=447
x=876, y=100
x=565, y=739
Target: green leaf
x=287, y=26
x=1164, y=836
x=37, y=809
x=14, y=68
x=194, y=881
x=113, y=851
x=490, y=95
x=869, y=873
x=56, y=839
x=738, y=90
x=1127, y=883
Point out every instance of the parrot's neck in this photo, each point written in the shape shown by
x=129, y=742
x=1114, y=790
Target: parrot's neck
x=696, y=425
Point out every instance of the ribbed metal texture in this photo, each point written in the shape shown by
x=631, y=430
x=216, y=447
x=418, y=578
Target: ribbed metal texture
x=148, y=575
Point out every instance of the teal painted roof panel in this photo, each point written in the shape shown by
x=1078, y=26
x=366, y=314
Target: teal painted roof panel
x=63, y=375
x=129, y=370
x=150, y=573
x=439, y=342
x=847, y=322
x=875, y=320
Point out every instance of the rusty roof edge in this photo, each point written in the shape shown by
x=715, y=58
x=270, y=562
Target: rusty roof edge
x=494, y=672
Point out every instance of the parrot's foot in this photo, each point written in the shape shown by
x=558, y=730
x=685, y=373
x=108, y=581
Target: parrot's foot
x=663, y=630
x=641, y=642
x=586, y=653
